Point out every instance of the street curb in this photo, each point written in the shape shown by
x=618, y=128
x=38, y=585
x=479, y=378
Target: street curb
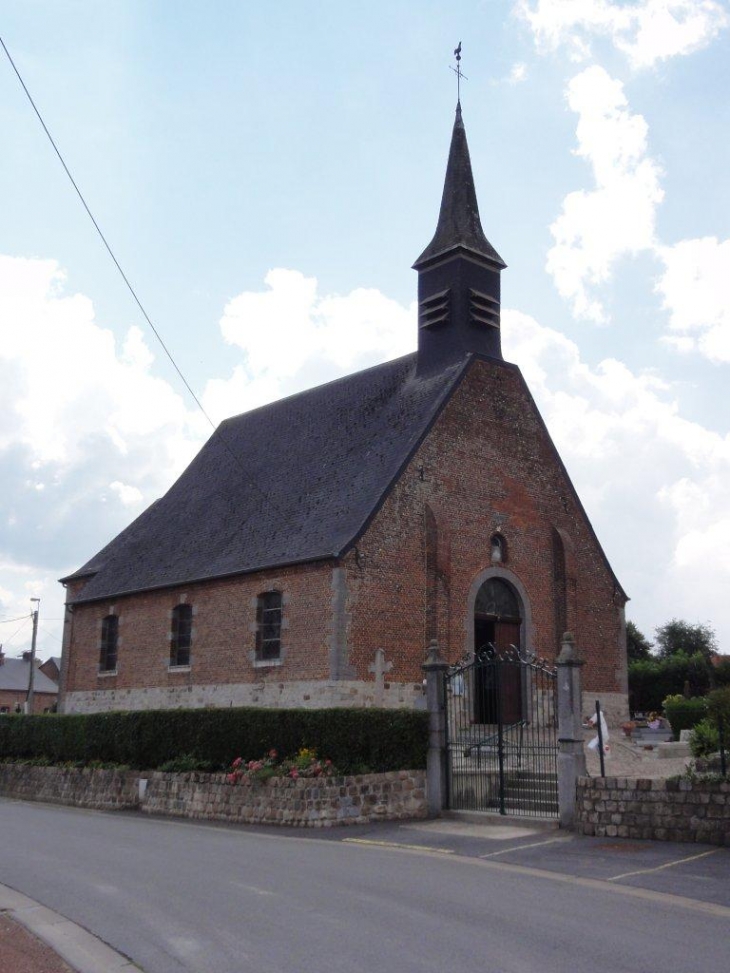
x=82, y=951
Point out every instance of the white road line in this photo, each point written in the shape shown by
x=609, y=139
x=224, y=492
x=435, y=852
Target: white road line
x=658, y=868
x=535, y=844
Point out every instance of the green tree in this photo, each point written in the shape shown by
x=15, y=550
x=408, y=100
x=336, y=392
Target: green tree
x=638, y=645
x=680, y=636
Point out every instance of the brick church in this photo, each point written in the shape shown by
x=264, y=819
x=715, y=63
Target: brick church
x=314, y=547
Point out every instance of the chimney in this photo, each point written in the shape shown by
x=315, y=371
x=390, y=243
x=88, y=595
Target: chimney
x=2, y=655
x=27, y=655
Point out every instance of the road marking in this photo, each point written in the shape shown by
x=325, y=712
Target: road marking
x=401, y=846
x=535, y=844
x=658, y=868
x=596, y=884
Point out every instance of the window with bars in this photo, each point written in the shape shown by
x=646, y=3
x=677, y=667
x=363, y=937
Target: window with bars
x=182, y=635
x=268, y=626
x=109, y=643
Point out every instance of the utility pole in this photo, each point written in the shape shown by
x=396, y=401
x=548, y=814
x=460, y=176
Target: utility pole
x=29, y=698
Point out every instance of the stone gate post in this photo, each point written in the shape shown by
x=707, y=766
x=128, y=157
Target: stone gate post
x=435, y=668
x=571, y=756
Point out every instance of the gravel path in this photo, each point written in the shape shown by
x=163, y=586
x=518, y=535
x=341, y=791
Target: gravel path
x=629, y=760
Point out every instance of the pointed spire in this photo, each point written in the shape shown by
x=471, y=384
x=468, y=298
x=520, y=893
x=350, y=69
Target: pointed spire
x=459, y=226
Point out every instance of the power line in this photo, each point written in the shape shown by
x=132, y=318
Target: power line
x=52, y=634
x=25, y=622
x=6, y=621
x=216, y=430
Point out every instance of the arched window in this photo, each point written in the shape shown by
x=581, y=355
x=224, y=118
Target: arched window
x=182, y=635
x=268, y=626
x=498, y=549
x=497, y=599
x=109, y=643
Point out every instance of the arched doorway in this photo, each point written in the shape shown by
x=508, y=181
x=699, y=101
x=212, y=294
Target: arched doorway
x=497, y=623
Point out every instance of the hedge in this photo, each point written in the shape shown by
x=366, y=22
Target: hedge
x=684, y=714
x=354, y=739
x=652, y=680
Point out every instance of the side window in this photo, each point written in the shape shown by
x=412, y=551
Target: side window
x=182, y=635
x=109, y=643
x=268, y=626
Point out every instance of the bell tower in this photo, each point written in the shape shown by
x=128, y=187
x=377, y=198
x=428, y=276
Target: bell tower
x=458, y=273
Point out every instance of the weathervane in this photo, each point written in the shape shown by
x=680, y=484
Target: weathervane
x=458, y=72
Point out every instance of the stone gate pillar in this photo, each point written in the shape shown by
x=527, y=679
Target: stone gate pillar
x=571, y=756
x=435, y=668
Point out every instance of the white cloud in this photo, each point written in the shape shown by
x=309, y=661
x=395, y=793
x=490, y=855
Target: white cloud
x=617, y=218
x=292, y=338
x=68, y=380
x=86, y=432
x=653, y=482
x=695, y=287
x=646, y=31
x=129, y=495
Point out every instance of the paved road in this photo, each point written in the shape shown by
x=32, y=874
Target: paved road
x=179, y=896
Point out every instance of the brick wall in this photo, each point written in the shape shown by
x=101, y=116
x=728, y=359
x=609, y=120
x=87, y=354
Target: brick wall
x=224, y=636
x=313, y=803
x=41, y=701
x=486, y=466
x=664, y=810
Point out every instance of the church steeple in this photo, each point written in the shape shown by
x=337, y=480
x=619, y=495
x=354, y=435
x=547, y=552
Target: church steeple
x=458, y=272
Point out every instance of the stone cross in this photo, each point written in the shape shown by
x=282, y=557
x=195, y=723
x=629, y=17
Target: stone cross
x=379, y=668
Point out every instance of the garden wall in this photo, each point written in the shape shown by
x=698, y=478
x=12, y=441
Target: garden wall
x=665, y=810
x=307, y=802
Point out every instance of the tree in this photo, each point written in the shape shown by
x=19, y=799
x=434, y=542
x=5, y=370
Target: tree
x=680, y=636
x=638, y=645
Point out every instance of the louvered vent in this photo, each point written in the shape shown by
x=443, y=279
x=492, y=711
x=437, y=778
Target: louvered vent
x=483, y=309
x=435, y=309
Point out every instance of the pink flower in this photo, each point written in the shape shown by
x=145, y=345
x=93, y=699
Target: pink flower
x=273, y=754
x=237, y=762
x=231, y=778
x=328, y=763
x=294, y=773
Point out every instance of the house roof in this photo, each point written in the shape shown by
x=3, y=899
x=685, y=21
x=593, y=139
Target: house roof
x=14, y=674
x=294, y=481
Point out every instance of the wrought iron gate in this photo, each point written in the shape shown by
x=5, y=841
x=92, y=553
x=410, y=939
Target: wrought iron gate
x=501, y=734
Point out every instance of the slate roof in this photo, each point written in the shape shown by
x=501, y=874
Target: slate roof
x=459, y=226
x=14, y=674
x=290, y=482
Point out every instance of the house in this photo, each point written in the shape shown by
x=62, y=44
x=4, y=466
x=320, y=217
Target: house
x=52, y=667
x=314, y=547
x=14, y=683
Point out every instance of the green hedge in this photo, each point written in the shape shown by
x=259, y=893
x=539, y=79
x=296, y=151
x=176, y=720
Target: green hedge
x=652, y=680
x=354, y=739
x=684, y=714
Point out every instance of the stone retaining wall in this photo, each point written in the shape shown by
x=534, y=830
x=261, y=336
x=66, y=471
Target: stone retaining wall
x=677, y=809
x=314, y=802
x=79, y=787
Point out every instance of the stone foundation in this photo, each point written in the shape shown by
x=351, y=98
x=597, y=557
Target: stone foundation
x=312, y=802
x=677, y=809
x=314, y=694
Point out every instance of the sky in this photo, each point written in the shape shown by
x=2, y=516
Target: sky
x=266, y=174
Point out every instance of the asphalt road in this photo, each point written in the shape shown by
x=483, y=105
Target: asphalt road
x=179, y=896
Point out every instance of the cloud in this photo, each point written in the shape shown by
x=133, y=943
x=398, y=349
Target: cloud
x=653, y=482
x=292, y=337
x=646, y=31
x=88, y=432
x=617, y=218
x=695, y=287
